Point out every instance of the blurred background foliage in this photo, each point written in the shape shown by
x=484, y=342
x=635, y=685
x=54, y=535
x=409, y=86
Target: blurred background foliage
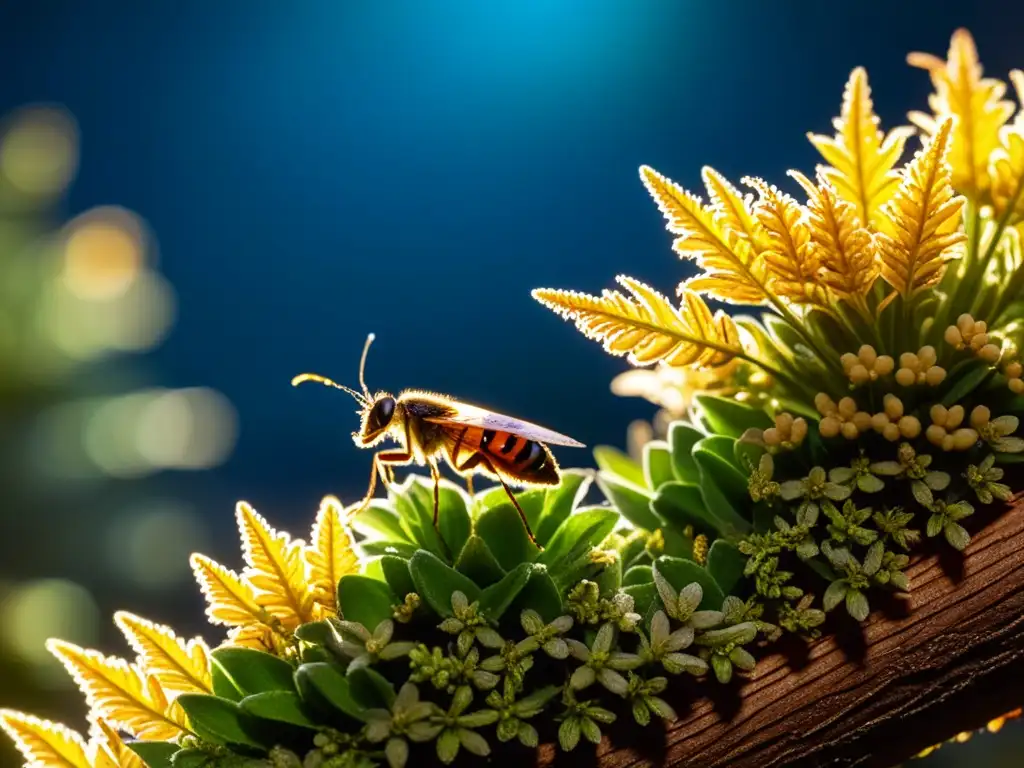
x=311, y=173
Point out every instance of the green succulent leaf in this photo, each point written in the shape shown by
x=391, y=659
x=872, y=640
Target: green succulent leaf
x=414, y=501
x=609, y=578
x=251, y=671
x=380, y=521
x=502, y=529
x=682, y=504
x=681, y=439
x=680, y=573
x=155, y=754
x=381, y=547
x=644, y=597
x=280, y=706
x=370, y=688
x=540, y=594
x=615, y=462
x=396, y=574
x=478, y=562
x=657, y=464
x=561, y=501
x=220, y=721
x=222, y=684
x=435, y=582
x=726, y=564
x=365, y=600
x=638, y=574
x=496, y=599
x=731, y=418
x=324, y=681
x=724, y=489
x=747, y=454
x=633, y=501
x=577, y=536
x=192, y=758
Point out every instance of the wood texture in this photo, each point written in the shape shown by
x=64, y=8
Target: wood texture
x=947, y=659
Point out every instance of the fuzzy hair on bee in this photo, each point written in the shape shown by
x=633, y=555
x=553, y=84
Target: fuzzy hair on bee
x=430, y=427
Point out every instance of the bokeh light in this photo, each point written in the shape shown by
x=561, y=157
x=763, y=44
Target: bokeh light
x=150, y=545
x=39, y=150
x=103, y=253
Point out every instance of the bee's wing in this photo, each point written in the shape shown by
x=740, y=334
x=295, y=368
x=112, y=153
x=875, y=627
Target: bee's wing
x=472, y=416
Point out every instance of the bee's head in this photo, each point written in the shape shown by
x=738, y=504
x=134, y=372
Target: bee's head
x=378, y=414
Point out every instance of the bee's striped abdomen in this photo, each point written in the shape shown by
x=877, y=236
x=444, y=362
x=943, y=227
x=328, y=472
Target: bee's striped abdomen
x=527, y=459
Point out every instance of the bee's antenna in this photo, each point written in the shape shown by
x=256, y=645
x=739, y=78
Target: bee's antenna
x=362, y=365
x=303, y=377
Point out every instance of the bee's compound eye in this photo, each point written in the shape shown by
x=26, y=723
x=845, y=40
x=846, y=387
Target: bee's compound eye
x=382, y=412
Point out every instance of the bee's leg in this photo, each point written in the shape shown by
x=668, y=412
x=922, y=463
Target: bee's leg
x=512, y=498
x=469, y=485
x=436, y=474
x=382, y=462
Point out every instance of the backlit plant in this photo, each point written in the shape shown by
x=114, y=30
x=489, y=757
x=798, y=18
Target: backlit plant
x=870, y=412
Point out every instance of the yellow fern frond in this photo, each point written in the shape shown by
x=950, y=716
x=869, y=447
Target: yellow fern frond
x=645, y=326
x=921, y=228
x=44, y=744
x=259, y=637
x=1007, y=172
x=109, y=750
x=230, y=600
x=731, y=210
x=179, y=666
x=860, y=156
x=789, y=255
x=977, y=104
x=119, y=693
x=275, y=568
x=732, y=270
x=329, y=555
x=844, y=247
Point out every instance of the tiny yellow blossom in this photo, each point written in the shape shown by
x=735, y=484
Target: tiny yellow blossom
x=972, y=334
x=867, y=365
x=920, y=368
x=841, y=418
x=1014, y=373
x=788, y=432
x=945, y=430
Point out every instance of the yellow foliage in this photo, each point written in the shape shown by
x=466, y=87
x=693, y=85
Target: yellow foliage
x=844, y=248
x=275, y=569
x=109, y=750
x=44, y=744
x=229, y=600
x=120, y=693
x=329, y=555
x=179, y=666
x=861, y=157
x=978, y=106
x=645, y=326
x=789, y=254
x=921, y=229
x=731, y=269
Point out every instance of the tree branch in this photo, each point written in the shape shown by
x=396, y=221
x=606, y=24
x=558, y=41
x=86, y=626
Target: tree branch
x=951, y=660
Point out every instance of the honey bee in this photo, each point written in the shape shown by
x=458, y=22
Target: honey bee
x=429, y=427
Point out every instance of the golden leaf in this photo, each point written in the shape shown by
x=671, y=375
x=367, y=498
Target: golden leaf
x=789, y=254
x=259, y=637
x=732, y=270
x=179, y=666
x=731, y=210
x=645, y=326
x=44, y=744
x=229, y=599
x=109, y=749
x=329, y=555
x=275, y=569
x=921, y=228
x=844, y=247
x=860, y=156
x=1007, y=173
x=975, y=102
x=119, y=693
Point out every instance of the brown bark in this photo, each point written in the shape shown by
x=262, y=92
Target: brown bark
x=949, y=659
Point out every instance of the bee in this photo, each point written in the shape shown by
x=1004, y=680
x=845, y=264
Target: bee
x=431, y=427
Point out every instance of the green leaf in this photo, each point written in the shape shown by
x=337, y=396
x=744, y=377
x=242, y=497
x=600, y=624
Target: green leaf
x=435, y=582
x=155, y=754
x=957, y=536
x=681, y=573
x=638, y=574
x=502, y=529
x=579, y=533
x=223, y=685
x=496, y=599
x=966, y=382
x=220, y=721
x=372, y=569
x=365, y=600
x=325, y=682
x=396, y=574
x=724, y=489
x=478, y=562
x=609, y=578
x=318, y=632
x=730, y=418
x=857, y=604
x=379, y=520
x=834, y=594
x=252, y=671
x=632, y=501
x=453, y=516
x=192, y=758
x=540, y=594
x=682, y=504
x=681, y=438
x=747, y=455
x=281, y=706
x=561, y=501
x=615, y=462
x=677, y=544
x=657, y=464
x=396, y=548
x=721, y=446
x=643, y=596
x=414, y=500
x=370, y=688
x=726, y=564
